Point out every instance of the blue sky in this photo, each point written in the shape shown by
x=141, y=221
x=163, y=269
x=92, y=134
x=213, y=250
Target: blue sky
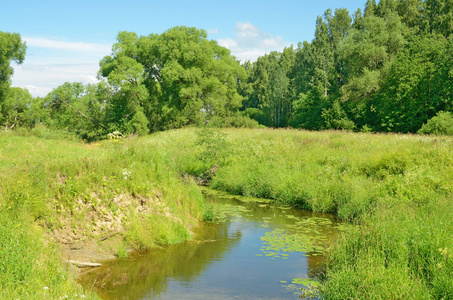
x=66, y=39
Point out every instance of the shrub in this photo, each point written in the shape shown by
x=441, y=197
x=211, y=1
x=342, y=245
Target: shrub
x=238, y=121
x=441, y=124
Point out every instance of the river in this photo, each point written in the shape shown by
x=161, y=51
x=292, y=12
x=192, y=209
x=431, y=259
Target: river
x=252, y=250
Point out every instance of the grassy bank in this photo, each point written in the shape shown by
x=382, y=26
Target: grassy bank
x=57, y=194
x=396, y=188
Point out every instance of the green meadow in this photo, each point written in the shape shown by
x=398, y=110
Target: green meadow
x=395, y=189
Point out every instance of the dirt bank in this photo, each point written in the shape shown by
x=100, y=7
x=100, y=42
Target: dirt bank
x=95, y=231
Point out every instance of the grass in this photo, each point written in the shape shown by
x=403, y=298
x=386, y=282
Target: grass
x=397, y=189
x=29, y=267
x=50, y=186
x=400, y=252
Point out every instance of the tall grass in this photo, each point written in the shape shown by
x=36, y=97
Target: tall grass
x=399, y=252
x=396, y=188
x=48, y=185
x=29, y=267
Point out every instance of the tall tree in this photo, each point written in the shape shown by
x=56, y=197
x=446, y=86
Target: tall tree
x=385, y=7
x=178, y=78
x=319, y=70
x=270, y=78
x=12, y=48
x=370, y=8
x=368, y=53
x=325, y=60
x=416, y=87
x=439, y=14
x=14, y=110
x=78, y=108
x=124, y=110
x=410, y=12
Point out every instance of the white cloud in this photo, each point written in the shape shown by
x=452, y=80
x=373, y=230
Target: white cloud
x=250, y=42
x=213, y=31
x=228, y=43
x=40, y=79
x=38, y=91
x=91, y=48
x=50, y=62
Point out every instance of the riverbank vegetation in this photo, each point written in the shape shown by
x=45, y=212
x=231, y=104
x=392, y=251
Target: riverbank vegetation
x=59, y=195
x=395, y=188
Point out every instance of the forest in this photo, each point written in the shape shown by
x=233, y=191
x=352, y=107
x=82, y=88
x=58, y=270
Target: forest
x=387, y=68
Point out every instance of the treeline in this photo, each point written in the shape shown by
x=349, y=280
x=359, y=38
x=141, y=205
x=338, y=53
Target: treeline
x=387, y=69
x=149, y=83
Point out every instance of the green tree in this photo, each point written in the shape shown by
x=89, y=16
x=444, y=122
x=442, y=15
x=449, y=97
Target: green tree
x=334, y=117
x=368, y=53
x=319, y=71
x=366, y=48
x=245, y=87
x=438, y=16
x=416, y=87
x=339, y=26
x=324, y=67
x=269, y=101
x=277, y=94
x=386, y=7
x=14, y=110
x=441, y=124
x=11, y=49
x=125, y=77
x=410, y=12
x=77, y=108
x=180, y=78
x=308, y=109
x=370, y=8
x=390, y=70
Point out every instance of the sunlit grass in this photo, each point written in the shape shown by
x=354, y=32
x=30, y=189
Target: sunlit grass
x=50, y=184
x=398, y=188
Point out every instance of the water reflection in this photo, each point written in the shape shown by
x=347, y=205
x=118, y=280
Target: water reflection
x=228, y=259
x=148, y=273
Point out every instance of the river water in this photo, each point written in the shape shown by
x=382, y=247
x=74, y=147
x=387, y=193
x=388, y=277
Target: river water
x=252, y=250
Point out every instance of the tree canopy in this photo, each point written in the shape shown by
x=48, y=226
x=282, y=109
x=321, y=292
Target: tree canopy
x=171, y=80
x=385, y=68
x=11, y=49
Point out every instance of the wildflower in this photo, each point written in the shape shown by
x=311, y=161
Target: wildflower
x=46, y=287
x=126, y=173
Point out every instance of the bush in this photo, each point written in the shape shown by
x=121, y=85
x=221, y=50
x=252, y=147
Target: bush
x=441, y=124
x=238, y=121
